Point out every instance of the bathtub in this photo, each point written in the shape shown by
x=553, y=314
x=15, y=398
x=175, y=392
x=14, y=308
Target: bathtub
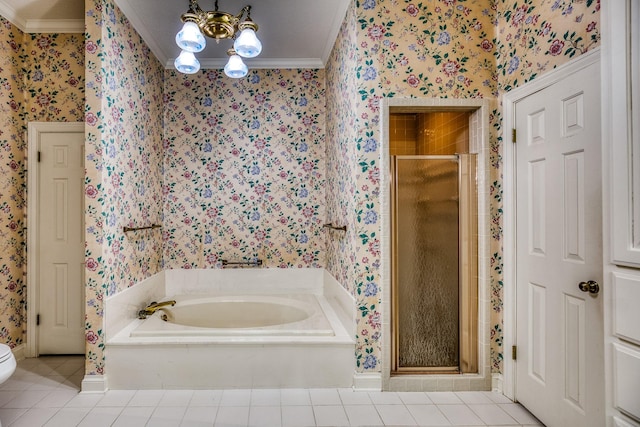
x=233, y=330
x=235, y=315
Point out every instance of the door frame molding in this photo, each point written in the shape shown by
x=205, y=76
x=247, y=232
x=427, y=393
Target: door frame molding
x=509, y=101
x=479, y=130
x=34, y=130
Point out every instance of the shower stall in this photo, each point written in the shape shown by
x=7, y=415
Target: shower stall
x=434, y=287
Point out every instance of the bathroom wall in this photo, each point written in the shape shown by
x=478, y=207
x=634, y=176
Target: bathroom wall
x=244, y=166
x=41, y=79
x=463, y=48
x=434, y=48
x=123, y=184
x=532, y=37
x=393, y=59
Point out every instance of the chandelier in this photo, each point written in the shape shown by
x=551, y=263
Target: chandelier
x=217, y=25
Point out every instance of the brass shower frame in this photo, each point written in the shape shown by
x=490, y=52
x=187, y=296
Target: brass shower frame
x=468, y=274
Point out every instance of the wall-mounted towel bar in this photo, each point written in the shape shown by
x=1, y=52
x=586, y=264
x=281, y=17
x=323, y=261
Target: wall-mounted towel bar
x=152, y=226
x=335, y=227
x=256, y=263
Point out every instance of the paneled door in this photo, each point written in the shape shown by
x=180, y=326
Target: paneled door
x=559, y=365
x=60, y=231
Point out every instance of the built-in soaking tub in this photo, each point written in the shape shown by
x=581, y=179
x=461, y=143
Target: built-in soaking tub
x=239, y=315
x=232, y=329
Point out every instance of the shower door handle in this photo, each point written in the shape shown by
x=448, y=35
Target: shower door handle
x=591, y=286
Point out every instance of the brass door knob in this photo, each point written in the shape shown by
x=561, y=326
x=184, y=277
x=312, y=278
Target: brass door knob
x=591, y=286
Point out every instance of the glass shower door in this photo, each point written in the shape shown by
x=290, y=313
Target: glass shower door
x=426, y=264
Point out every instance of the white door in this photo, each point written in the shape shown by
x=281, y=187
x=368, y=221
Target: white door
x=60, y=230
x=559, y=366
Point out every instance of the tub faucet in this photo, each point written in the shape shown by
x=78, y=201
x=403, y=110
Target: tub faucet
x=151, y=308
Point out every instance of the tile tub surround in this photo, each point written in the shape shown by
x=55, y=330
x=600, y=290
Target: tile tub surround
x=232, y=361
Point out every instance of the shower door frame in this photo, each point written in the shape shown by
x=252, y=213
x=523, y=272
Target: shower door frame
x=467, y=271
x=479, y=130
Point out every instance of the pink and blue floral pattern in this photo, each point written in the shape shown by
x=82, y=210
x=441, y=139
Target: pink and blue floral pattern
x=123, y=184
x=244, y=169
x=252, y=168
x=41, y=79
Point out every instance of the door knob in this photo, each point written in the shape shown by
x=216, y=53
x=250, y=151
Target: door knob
x=591, y=286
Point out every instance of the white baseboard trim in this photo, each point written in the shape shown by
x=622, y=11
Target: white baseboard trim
x=497, y=383
x=367, y=382
x=19, y=352
x=94, y=384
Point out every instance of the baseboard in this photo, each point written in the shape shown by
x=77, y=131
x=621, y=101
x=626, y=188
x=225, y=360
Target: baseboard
x=367, y=382
x=19, y=352
x=497, y=383
x=94, y=384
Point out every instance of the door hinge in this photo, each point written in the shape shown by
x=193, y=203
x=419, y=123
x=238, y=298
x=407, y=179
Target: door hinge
x=37, y=319
x=513, y=135
x=514, y=352
x=39, y=156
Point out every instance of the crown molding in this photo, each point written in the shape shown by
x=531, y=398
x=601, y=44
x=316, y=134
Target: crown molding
x=11, y=15
x=41, y=25
x=54, y=26
x=258, y=63
x=138, y=25
x=333, y=32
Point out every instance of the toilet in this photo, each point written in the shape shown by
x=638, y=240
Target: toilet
x=7, y=364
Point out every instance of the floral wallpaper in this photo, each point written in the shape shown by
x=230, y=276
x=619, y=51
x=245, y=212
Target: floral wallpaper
x=41, y=79
x=53, y=67
x=123, y=184
x=254, y=167
x=244, y=168
x=435, y=48
x=12, y=188
x=535, y=36
x=532, y=38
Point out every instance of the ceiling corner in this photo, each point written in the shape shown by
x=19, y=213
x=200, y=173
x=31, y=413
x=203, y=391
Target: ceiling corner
x=11, y=15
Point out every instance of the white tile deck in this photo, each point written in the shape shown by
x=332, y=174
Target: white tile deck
x=45, y=392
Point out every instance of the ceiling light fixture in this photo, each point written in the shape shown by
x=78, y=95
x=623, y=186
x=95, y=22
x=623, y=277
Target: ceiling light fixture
x=217, y=25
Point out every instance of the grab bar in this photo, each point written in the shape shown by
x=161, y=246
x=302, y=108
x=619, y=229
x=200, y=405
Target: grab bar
x=152, y=226
x=256, y=263
x=335, y=227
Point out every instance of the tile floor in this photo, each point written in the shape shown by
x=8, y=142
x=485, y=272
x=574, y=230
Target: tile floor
x=44, y=392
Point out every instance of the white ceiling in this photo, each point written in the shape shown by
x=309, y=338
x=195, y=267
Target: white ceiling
x=294, y=33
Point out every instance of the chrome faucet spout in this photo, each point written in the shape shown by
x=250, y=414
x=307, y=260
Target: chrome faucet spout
x=153, y=307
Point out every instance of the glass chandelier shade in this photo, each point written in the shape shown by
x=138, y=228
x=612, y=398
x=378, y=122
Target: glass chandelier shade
x=187, y=63
x=247, y=44
x=190, y=38
x=218, y=25
x=235, y=68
